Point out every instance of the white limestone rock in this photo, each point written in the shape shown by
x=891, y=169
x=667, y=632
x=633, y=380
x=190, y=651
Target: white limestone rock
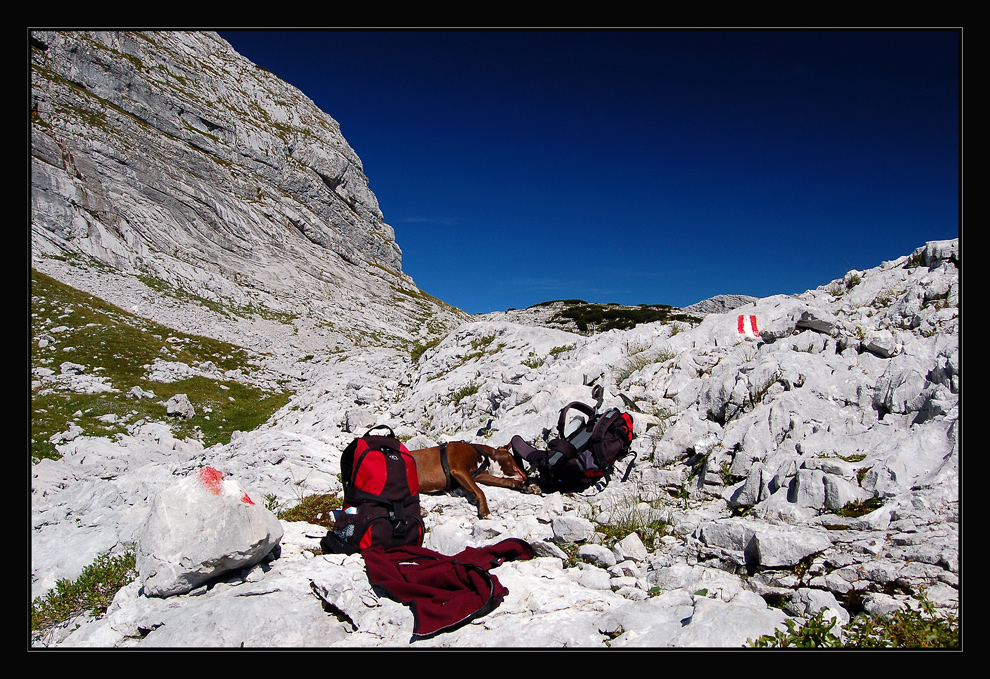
x=199, y=528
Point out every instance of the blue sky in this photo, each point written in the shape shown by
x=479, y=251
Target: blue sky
x=640, y=167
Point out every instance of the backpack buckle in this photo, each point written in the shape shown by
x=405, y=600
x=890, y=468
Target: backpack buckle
x=399, y=522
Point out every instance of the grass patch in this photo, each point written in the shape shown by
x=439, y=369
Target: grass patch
x=630, y=515
x=465, y=391
x=420, y=348
x=315, y=509
x=68, y=325
x=223, y=408
x=861, y=508
x=757, y=395
x=480, y=348
x=245, y=311
x=639, y=361
x=534, y=361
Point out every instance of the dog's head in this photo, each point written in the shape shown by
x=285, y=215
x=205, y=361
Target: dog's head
x=507, y=463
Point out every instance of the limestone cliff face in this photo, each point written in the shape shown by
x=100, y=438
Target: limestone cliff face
x=168, y=154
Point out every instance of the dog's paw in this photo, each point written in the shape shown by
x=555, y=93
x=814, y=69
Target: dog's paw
x=533, y=489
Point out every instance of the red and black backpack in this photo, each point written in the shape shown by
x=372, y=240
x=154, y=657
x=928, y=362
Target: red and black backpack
x=381, y=496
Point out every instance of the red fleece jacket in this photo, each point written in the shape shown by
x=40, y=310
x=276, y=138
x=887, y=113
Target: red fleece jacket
x=443, y=591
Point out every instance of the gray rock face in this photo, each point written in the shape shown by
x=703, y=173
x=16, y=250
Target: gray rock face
x=719, y=304
x=169, y=155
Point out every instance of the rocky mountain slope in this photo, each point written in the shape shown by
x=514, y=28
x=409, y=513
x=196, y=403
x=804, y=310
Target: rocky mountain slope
x=814, y=466
x=168, y=155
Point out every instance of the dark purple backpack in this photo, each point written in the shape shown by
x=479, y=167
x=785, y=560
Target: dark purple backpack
x=584, y=457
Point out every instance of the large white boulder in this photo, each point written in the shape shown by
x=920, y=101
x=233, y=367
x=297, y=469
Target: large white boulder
x=199, y=528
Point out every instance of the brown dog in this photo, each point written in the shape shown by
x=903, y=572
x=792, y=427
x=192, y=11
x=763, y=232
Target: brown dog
x=465, y=465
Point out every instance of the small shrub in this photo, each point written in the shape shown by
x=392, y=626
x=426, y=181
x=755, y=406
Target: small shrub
x=533, y=361
x=815, y=633
x=90, y=593
x=273, y=504
x=908, y=627
x=603, y=317
x=570, y=549
x=883, y=299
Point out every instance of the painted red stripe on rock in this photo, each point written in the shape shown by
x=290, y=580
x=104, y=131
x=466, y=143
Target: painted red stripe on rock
x=211, y=478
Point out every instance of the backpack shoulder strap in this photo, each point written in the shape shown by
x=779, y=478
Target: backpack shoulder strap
x=576, y=405
x=347, y=463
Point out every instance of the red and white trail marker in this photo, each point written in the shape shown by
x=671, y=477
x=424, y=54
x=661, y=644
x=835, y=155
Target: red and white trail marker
x=747, y=326
x=212, y=480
